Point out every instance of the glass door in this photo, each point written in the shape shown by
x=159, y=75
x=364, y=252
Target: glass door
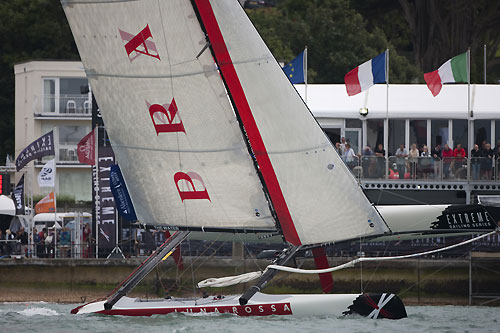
x=353, y=137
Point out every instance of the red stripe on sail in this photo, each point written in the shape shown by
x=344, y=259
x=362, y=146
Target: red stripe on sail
x=321, y=263
x=351, y=81
x=433, y=81
x=234, y=85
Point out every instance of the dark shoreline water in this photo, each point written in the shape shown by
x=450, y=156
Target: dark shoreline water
x=46, y=317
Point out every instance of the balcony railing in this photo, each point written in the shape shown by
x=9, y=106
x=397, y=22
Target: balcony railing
x=67, y=154
x=62, y=105
x=447, y=169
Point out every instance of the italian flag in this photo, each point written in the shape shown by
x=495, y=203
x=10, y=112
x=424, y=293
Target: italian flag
x=454, y=70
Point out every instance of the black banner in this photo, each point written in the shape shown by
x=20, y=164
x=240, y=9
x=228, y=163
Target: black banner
x=104, y=212
x=42, y=146
x=18, y=197
x=104, y=201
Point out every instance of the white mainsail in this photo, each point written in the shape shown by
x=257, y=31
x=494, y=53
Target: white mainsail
x=140, y=57
x=167, y=85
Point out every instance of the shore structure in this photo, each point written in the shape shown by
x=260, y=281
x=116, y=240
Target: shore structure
x=418, y=281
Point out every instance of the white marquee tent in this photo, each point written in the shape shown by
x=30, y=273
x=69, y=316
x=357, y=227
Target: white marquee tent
x=406, y=101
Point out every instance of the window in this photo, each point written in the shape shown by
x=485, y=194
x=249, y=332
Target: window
x=374, y=132
x=353, y=123
x=396, y=135
x=333, y=134
x=439, y=132
x=418, y=133
x=71, y=86
x=460, y=133
x=71, y=135
x=63, y=95
x=482, y=132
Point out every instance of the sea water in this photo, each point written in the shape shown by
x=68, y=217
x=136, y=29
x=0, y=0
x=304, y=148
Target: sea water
x=53, y=318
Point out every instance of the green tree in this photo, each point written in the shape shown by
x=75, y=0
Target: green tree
x=442, y=29
x=337, y=36
x=29, y=29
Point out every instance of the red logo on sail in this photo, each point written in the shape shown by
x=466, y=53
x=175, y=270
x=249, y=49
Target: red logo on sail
x=186, y=186
x=165, y=117
x=139, y=44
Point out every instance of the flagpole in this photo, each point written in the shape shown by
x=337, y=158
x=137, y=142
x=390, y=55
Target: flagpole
x=96, y=147
x=305, y=73
x=484, y=51
x=469, y=127
x=386, y=132
x=56, y=158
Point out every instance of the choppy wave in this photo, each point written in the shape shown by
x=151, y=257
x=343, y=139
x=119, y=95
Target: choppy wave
x=29, y=312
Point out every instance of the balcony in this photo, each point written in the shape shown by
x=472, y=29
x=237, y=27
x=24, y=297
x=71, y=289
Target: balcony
x=426, y=173
x=67, y=156
x=62, y=106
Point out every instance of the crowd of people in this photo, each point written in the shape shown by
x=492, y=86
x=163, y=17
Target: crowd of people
x=420, y=162
x=13, y=243
x=45, y=243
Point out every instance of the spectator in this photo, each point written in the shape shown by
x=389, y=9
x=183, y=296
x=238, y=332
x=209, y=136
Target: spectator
x=413, y=159
x=447, y=156
x=475, y=162
x=9, y=237
x=497, y=155
x=426, y=162
x=22, y=237
x=380, y=154
x=459, y=155
x=41, y=249
x=349, y=156
x=487, y=155
x=436, y=155
x=342, y=144
x=401, y=155
x=64, y=242
x=86, y=241
x=338, y=148
x=367, y=161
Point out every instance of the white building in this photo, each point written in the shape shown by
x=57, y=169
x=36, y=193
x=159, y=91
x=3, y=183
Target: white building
x=415, y=116
x=47, y=97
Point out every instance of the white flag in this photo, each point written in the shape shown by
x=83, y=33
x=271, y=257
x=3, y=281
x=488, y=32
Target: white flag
x=47, y=176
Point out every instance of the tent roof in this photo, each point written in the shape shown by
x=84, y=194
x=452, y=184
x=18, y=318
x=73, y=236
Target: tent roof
x=7, y=206
x=406, y=101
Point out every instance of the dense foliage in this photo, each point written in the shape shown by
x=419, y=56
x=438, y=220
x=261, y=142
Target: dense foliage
x=339, y=34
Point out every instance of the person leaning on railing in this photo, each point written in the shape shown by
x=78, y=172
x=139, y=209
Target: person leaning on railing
x=380, y=154
x=401, y=155
x=475, y=162
x=487, y=155
x=447, y=156
x=459, y=154
x=436, y=155
x=426, y=162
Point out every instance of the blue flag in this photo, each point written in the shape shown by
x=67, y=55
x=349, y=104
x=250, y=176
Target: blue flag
x=294, y=70
x=122, y=198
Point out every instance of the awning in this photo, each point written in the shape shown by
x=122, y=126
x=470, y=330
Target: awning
x=7, y=206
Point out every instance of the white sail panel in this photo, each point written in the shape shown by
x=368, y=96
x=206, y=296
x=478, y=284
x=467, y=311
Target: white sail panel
x=167, y=114
x=322, y=198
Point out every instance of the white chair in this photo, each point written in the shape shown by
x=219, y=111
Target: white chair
x=71, y=106
x=86, y=106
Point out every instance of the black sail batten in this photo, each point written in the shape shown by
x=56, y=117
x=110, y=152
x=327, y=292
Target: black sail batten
x=240, y=123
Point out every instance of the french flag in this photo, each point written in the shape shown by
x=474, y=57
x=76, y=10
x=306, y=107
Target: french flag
x=366, y=75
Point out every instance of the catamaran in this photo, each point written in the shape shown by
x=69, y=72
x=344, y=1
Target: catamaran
x=211, y=136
